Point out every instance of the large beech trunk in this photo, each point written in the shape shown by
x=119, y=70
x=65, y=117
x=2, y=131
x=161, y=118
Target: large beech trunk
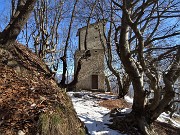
x=142, y=116
x=131, y=68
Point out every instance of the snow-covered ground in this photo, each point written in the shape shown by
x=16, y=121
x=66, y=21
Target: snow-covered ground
x=164, y=117
x=96, y=117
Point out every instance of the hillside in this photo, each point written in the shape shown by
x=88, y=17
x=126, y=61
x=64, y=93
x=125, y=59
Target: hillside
x=30, y=100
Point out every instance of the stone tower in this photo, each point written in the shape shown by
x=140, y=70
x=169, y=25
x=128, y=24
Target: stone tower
x=91, y=75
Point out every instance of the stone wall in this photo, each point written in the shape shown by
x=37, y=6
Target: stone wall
x=94, y=65
x=93, y=37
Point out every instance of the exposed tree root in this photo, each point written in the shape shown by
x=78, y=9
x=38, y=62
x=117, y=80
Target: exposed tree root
x=130, y=124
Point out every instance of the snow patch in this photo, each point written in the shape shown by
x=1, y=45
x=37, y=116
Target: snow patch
x=94, y=116
x=164, y=117
x=128, y=99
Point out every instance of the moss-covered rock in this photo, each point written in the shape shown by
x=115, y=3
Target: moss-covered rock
x=60, y=123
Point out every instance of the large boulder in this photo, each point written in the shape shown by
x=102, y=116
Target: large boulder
x=31, y=103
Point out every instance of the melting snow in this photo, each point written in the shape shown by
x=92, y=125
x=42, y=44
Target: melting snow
x=96, y=117
x=164, y=117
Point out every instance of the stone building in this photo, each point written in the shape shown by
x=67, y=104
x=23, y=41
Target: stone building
x=91, y=75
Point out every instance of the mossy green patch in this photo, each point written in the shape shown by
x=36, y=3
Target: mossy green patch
x=44, y=122
x=61, y=121
x=82, y=131
x=56, y=119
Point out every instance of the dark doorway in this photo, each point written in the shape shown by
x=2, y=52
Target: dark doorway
x=94, y=81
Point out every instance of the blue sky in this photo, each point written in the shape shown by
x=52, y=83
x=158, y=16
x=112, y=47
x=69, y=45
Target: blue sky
x=4, y=13
x=5, y=9
x=4, y=3
x=4, y=6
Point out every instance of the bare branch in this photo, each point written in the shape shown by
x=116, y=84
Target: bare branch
x=13, y=29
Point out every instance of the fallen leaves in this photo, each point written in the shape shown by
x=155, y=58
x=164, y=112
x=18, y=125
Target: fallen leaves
x=116, y=103
x=23, y=99
x=28, y=89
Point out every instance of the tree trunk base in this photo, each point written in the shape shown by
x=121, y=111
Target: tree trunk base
x=130, y=124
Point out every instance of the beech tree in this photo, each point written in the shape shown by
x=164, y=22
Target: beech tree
x=17, y=21
x=145, y=35
x=51, y=37
x=143, y=42
x=113, y=62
